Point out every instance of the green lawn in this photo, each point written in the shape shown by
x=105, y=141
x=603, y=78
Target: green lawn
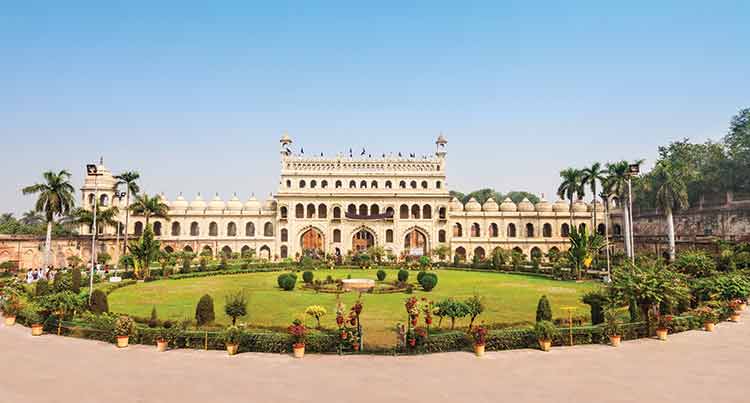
x=509, y=298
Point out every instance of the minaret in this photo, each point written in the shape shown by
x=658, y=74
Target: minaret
x=285, y=143
x=440, y=144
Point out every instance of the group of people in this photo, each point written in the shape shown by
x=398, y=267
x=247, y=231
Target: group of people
x=48, y=273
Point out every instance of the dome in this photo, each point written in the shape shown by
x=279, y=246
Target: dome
x=270, y=204
x=580, y=207
x=252, y=204
x=561, y=206
x=525, y=205
x=179, y=203
x=508, y=205
x=198, y=203
x=216, y=203
x=490, y=205
x=163, y=199
x=543, y=206
x=473, y=205
x=456, y=205
x=234, y=203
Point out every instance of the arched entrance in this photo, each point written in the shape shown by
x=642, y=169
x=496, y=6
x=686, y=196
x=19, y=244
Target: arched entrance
x=362, y=240
x=415, y=243
x=312, y=239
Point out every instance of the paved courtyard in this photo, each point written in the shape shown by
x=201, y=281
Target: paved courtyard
x=691, y=367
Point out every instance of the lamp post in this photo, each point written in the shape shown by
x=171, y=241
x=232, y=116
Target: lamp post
x=117, y=232
x=92, y=170
x=633, y=170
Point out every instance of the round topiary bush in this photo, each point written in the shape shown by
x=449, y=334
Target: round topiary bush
x=381, y=275
x=99, y=304
x=428, y=281
x=307, y=277
x=403, y=275
x=204, y=311
x=288, y=282
x=420, y=275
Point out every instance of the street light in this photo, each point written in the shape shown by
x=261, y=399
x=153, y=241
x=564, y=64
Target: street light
x=119, y=195
x=633, y=170
x=92, y=170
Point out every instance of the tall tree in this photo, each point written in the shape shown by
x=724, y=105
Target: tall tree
x=147, y=206
x=617, y=185
x=104, y=215
x=31, y=217
x=590, y=176
x=55, y=198
x=671, y=195
x=570, y=187
x=144, y=251
x=129, y=180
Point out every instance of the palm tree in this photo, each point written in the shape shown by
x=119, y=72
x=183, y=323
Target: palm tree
x=105, y=216
x=590, y=176
x=617, y=183
x=6, y=217
x=128, y=179
x=55, y=199
x=570, y=187
x=671, y=194
x=31, y=217
x=148, y=207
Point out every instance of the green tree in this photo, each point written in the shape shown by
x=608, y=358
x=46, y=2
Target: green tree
x=441, y=251
x=128, y=179
x=105, y=216
x=99, y=304
x=738, y=147
x=144, y=251
x=617, y=184
x=591, y=176
x=671, y=195
x=583, y=248
x=31, y=218
x=235, y=306
x=543, y=310
x=55, y=198
x=148, y=207
x=570, y=188
x=476, y=306
x=452, y=309
x=204, y=311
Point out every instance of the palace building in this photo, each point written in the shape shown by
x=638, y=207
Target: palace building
x=334, y=205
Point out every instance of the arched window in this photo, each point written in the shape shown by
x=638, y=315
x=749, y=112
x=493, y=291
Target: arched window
x=288, y=184
x=250, y=229
x=389, y=236
x=494, y=231
x=476, y=231
x=547, y=230
x=283, y=252
x=284, y=235
x=363, y=210
x=415, y=212
x=363, y=185
x=284, y=212
x=337, y=212
x=324, y=184
x=617, y=229
x=402, y=185
x=511, y=230
x=442, y=212
x=213, y=229
x=581, y=227
x=226, y=252
x=231, y=229
x=461, y=253
x=529, y=230
x=302, y=184
x=565, y=230
x=351, y=209
x=322, y=211
x=438, y=185
x=195, y=230
x=352, y=185
x=479, y=253
x=246, y=252
x=188, y=249
x=310, y=211
x=169, y=249
x=458, y=230
x=389, y=212
x=441, y=236
x=424, y=184
x=374, y=209
x=138, y=228
x=103, y=200
x=157, y=228
x=175, y=229
x=388, y=185
x=374, y=184
x=413, y=184
x=427, y=212
x=337, y=235
x=339, y=185
x=299, y=211
x=536, y=254
x=313, y=184
x=91, y=199
x=601, y=229
x=404, y=212
x=268, y=229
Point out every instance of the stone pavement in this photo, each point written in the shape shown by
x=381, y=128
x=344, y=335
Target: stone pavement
x=691, y=367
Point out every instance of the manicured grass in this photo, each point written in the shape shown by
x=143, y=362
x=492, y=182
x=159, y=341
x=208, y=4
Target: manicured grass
x=509, y=298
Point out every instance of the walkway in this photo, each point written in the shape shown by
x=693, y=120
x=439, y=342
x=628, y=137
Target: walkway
x=691, y=367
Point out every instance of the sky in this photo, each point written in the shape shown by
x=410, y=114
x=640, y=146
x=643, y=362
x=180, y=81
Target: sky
x=195, y=95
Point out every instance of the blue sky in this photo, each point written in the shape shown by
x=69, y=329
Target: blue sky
x=196, y=95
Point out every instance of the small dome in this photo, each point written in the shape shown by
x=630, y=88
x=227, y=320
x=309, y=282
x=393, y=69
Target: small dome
x=179, y=203
x=490, y=205
x=561, y=206
x=543, y=206
x=508, y=205
x=270, y=204
x=525, y=205
x=198, y=203
x=580, y=207
x=456, y=205
x=216, y=204
x=252, y=204
x=473, y=205
x=234, y=203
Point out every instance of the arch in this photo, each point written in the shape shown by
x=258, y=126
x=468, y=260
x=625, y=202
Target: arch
x=302, y=184
x=458, y=230
x=268, y=229
x=231, y=229
x=284, y=251
x=511, y=230
x=442, y=236
x=404, y=212
x=529, y=230
x=188, y=249
x=352, y=184
x=226, y=252
x=250, y=229
x=339, y=185
x=475, y=230
x=601, y=229
x=337, y=236
x=547, y=230
x=402, y=184
x=553, y=254
x=363, y=184
x=322, y=211
x=536, y=253
x=374, y=209
x=363, y=210
x=565, y=230
x=324, y=184
x=389, y=236
x=617, y=229
x=176, y=230
x=265, y=253
x=311, y=239
x=195, y=229
x=351, y=209
x=424, y=185
x=389, y=212
x=288, y=184
x=157, y=228
x=413, y=184
x=103, y=200
x=442, y=213
x=299, y=211
x=168, y=249
x=313, y=184
x=427, y=212
x=415, y=211
x=582, y=227
x=337, y=212
x=207, y=250
x=416, y=242
x=438, y=185
x=460, y=253
x=517, y=249
x=362, y=239
x=388, y=184
x=91, y=199
x=283, y=212
x=245, y=252
x=494, y=230
x=310, y=210
x=138, y=228
x=284, y=235
x=213, y=229
x=479, y=253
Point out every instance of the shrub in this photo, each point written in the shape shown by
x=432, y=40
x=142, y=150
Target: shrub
x=317, y=312
x=308, y=277
x=75, y=277
x=596, y=300
x=428, y=281
x=498, y=258
x=476, y=307
x=403, y=275
x=452, y=309
x=99, y=304
x=424, y=261
x=381, y=275
x=612, y=323
x=545, y=330
x=695, y=263
x=62, y=283
x=42, y=288
x=153, y=321
x=232, y=335
x=235, y=306
x=31, y=314
x=287, y=282
x=11, y=305
x=204, y=311
x=124, y=326
x=456, y=260
x=543, y=310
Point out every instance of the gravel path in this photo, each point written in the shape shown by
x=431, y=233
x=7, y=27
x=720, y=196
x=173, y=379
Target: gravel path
x=691, y=367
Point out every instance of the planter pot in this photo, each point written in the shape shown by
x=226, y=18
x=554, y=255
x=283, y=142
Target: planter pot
x=545, y=345
x=10, y=320
x=232, y=348
x=299, y=350
x=37, y=330
x=615, y=340
x=161, y=346
x=122, y=341
x=662, y=334
x=479, y=350
x=743, y=306
x=735, y=317
x=709, y=326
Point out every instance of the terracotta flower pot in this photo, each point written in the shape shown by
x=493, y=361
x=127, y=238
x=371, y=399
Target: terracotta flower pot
x=662, y=334
x=743, y=306
x=161, y=345
x=122, y=341
x=37, y=329
x=299, y=350
x=735, y=317
x=232, y=348
x=545, y=345
x=10, y=320
x=479, y=350
x=709, y=326
x=615, y=340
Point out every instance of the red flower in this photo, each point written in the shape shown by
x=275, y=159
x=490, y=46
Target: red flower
x=412, y=342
